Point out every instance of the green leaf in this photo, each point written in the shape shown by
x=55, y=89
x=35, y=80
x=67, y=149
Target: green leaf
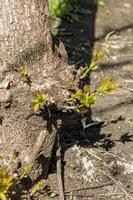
x=83, y=98
x=99, y=54
x=86, y=88
x=108, y=86
x=75, y=96
x=23, y=72
x=26, y=171
x=88, y=100
x=38, y=187
x=109, y=35
x=6, y=181
x=2, y=196
x=36, y=107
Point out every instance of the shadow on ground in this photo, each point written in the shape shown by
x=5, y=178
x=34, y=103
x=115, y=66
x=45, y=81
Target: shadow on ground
x=78, y=36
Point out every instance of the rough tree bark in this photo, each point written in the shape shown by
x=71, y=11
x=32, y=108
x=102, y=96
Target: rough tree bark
x=26, y=40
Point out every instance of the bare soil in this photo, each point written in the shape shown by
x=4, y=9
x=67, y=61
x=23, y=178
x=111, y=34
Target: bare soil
x=98, y=162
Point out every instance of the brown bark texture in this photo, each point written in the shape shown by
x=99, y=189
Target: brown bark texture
x=26, y=40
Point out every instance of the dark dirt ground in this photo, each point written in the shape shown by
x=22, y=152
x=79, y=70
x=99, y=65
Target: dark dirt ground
x=103, y=162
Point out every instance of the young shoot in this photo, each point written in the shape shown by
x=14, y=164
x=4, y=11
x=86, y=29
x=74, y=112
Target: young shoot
x=108, y=86
x=85, y=98
x=39, y=101
x=23, y=71
x=99, y=54
x=38, y=187
x=26, y=171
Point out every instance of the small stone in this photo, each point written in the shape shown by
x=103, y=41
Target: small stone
x=5, y=95
x=3, y=67
x=4, y=84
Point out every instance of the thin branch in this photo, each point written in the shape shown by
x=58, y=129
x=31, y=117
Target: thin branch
x=112, y=194
x=37, y=146
x=59, y=171
x=91, y=187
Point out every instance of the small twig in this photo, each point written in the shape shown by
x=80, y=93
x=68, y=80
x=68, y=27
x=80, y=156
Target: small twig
x=66, y=34
x=113, y=179
x=59, y=171
x=111, y=194
x=91, y=187
x=98, y=196
x=129, y=89
x=127, y=80
x=118, y=183
x=71, y=195
x=79, y=195
x=40, y=147
x=93, y=155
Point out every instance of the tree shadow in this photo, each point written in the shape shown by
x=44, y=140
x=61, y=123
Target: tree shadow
x=107, y=66
x=71, y=132
x=116, y=30
x=78, y=35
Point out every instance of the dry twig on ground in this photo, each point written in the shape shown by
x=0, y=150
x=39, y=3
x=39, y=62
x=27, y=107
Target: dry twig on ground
x=59, y=171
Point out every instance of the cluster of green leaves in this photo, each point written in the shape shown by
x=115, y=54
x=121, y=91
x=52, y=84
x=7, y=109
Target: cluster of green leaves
x=85, y=98
x=6, y=181
x=39, y=101
x=39, y=186
x=107, y=86
x=23, y=74
x=59, y=8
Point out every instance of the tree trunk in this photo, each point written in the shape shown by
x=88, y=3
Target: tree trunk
x=26, y=40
